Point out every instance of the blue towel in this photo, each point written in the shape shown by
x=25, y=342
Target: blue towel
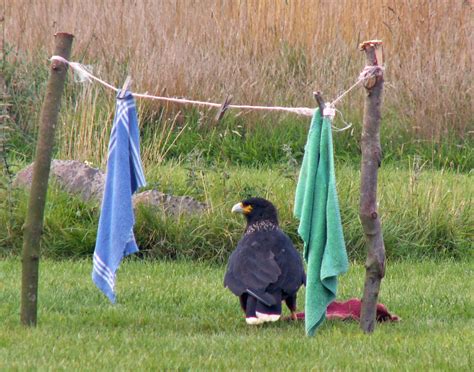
x=115, y=238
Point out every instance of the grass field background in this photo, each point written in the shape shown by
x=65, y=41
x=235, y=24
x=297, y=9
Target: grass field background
x=177, y=315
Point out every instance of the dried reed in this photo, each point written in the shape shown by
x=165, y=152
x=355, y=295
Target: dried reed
x=268, y=51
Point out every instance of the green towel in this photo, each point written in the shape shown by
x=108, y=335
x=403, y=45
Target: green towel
x=317, y=208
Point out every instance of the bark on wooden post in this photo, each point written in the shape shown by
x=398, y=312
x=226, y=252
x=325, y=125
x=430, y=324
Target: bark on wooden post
x=34, y=220
x=371, y=160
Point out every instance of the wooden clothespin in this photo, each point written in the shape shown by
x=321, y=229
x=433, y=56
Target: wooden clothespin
x=319, y=98
x=126, y=85
x=224, y=107
x=324, y=109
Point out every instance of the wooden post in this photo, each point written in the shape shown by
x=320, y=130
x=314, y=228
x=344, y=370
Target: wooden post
x=371, y=160
x=34, y=220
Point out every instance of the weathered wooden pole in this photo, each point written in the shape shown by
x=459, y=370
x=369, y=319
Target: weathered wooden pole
x=34, y=220
x=371, y=160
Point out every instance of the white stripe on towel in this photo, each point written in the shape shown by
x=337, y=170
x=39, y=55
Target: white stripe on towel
x=103, y=271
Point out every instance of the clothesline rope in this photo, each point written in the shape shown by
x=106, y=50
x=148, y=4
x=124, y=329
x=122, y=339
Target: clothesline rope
x=84, y=74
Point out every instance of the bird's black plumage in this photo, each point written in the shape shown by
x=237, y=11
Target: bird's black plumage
x=265, y=268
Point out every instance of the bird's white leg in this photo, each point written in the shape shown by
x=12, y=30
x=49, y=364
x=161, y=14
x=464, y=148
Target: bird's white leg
x=268, y=313
x=250, y=314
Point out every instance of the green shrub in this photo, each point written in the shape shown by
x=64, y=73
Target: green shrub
x=425, y=213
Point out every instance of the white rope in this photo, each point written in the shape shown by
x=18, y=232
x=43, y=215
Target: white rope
x=82, y=71
x=368, y=72
x=330, y=110
x=348, y=125
x=306, y=111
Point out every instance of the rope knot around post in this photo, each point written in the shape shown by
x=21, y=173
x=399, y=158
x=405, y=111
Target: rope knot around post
x=375, y=62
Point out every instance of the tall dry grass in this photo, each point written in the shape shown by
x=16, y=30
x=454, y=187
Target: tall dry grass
x=268, y=51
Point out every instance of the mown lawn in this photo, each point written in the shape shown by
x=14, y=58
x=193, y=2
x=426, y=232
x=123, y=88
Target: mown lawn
x=177, y=315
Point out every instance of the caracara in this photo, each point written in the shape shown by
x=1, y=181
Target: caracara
x=265, y=268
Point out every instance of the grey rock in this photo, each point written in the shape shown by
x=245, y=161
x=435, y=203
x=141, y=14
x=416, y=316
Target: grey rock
x=87, y=182
x=73, y=176
x=171, y=204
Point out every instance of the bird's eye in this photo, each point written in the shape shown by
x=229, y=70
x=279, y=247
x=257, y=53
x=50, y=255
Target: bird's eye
x=247, y=208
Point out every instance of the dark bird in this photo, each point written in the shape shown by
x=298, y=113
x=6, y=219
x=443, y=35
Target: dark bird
x=265, y=268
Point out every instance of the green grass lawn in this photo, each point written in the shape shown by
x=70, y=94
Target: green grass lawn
x=177, y=315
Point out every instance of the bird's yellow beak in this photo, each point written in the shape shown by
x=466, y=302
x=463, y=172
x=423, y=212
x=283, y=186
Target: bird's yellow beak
x=239, y=208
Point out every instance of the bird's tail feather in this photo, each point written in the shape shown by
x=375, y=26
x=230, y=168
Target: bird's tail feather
x=265, y=298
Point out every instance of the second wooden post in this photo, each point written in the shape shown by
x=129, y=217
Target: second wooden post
x=33, y=227
x=371, y=161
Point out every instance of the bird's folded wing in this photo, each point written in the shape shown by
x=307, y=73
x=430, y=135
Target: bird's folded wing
x=254, y=266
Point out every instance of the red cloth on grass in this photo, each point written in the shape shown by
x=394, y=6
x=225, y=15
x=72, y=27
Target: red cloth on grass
x=350, y=309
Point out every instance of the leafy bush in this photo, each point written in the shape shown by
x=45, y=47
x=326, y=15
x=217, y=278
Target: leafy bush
x=424, y=213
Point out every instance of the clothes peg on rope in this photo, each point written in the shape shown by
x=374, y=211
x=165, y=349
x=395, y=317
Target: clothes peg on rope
x=324, y=109
x=126, y=85
x=319, y=98
x=224, y=107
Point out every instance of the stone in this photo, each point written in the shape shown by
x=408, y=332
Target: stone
x=174, y=205
x=80, y=179
x=72, y=176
